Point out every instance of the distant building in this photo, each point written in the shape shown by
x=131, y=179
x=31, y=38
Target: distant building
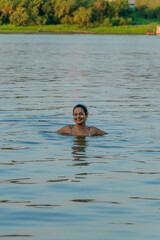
x=131, y=2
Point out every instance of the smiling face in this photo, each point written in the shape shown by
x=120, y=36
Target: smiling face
x=79, y=116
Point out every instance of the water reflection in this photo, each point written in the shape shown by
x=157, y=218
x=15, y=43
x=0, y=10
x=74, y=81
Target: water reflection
x=79, y=150
x=15, y=235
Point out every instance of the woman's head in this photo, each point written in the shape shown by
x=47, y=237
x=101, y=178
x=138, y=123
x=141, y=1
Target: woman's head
x=81, y=106
x=80, y=114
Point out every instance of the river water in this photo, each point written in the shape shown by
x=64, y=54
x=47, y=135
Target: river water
x=64, y=187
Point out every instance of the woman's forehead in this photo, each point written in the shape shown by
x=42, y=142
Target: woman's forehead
x=78, y=109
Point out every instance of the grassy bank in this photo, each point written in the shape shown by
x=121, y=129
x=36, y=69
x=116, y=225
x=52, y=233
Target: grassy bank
x=130, y=29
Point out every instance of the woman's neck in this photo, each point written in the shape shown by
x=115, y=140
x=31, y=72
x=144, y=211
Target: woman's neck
x=81, y=128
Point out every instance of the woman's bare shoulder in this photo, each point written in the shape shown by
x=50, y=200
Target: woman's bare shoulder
x=66, y=129
x=97, y=132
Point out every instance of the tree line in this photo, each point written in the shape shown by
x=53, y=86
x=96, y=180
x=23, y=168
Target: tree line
x=81, y=12
x=148, y=8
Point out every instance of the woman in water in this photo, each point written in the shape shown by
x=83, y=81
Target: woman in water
x=80, y=114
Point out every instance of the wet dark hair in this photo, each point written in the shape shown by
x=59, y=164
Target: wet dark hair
x=81, y=106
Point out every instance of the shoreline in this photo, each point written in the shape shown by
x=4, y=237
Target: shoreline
x=72, y=29
x=76, y=33
x=72, y=32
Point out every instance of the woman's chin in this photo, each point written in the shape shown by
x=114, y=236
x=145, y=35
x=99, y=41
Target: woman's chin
x=79, y=122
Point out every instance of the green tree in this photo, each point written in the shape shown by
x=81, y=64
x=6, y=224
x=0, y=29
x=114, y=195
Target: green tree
x=153, y=4
x=6, y=9
x=100, y=8
x=64, y=9
x=48, y=11
x=148, y=9
x=19, y=17
x=25, y=12
x=83, y=16
x=34, y=9
x=119, y=8
x=107, y=22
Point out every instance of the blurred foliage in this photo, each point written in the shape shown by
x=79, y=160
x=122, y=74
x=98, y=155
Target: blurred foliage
x=148, y=3
x=148, y=8
x=83, y=16
x=81, y=12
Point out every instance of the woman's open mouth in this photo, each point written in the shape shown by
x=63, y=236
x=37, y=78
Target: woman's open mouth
x=79, y=120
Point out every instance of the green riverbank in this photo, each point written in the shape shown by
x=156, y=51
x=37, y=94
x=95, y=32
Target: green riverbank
x=129, y=29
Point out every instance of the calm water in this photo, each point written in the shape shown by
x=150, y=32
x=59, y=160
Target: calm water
x=67, y=188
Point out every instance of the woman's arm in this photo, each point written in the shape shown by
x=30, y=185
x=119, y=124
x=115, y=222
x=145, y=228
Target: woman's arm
x=97, y=132
x=66, y=129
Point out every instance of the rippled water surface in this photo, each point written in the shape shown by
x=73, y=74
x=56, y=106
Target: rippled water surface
x=73, y=188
